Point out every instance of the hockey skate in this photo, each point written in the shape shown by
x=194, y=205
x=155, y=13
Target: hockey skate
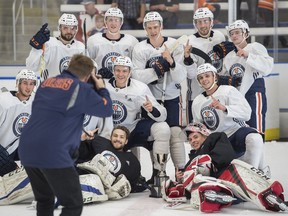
x=275, y=202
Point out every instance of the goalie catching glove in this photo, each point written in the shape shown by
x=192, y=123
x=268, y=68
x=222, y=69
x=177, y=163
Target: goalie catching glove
x=223, y=48
x=121, y=188
x=40, y=37
x=161, y=66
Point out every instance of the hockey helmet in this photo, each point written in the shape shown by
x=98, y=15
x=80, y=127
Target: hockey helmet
x=206, y=67
x=203, y=12
x=152, y=16
x=123, y=61
x=68, y=20
x=25, y=74
x=114, y=12
x=197, y=127
x=239, y=24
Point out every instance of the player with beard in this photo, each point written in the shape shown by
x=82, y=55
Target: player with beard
x=124, y=162
x=15, y=110
x=51, y=55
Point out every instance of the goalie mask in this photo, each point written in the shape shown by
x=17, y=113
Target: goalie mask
x=27, y=75
x=205, y=68
x=152, y=16
x=68, y=20
x=196, y=127
x=239, y=24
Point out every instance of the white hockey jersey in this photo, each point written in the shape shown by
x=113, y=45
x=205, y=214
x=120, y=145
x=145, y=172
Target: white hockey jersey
x=127, y=103
x=56, y=57
x=257, y=65
x=14, y=115
x=238, y=110
x=144, y=54
x=105, y=125
x=205, y=45
x=105, y=51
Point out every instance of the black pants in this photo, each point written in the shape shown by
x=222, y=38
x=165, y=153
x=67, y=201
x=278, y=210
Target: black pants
x=63, y=183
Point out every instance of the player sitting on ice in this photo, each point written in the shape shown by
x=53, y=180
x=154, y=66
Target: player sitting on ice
x=210, y=155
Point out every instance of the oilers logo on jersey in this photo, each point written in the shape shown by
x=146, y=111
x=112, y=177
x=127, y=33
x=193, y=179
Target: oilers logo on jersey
x=109, y=59
x=86, y=120
x=119, y=112
x=210, y=117
x=63, y=64
x=237, y=70
x=20, y=121
x=114, y=160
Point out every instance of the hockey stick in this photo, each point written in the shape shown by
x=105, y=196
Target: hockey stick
x=182, y=40
x=85, y=36
x=202, y=54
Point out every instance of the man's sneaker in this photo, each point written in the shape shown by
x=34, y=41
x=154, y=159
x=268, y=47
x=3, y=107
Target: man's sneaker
x=218, y=197
x=276, y=202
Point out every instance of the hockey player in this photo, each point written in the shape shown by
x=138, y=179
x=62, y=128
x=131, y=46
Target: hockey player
x=204, y=39
x=15, y=111
x=51, y=55
x=111, y=150
x=136, y=108
x=224, y=109
x=162, y=71
x=105, y=48
x=249, y=63
x=54, y=131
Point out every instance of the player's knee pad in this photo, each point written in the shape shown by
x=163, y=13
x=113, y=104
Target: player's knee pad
x=251, y=184
x=208, y=195
x=120, y=189
x=254, y=149
x=177, y=148
x=173, y=191
x=101, y=166
x=15, y=187
x=92, y=188
x=199, y=165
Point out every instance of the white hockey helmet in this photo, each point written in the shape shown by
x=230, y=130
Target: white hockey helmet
x=123, y=61
x=68, y=20
x=27, y=75
x=114, y=12
x=203, y=12
x=239, y=24
x=204, y=68
x=152, y=16
x=197, y=127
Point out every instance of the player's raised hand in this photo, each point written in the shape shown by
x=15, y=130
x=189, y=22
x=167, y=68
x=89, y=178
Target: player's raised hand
x=40, y=37
x=167, y=55
x=89, y=135
x=241, y=52
x=179, y=175
x=217, y=105
x=187, y=49
x=147, y=105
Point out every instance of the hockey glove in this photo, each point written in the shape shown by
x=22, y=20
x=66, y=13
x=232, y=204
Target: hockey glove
x=121, y=188
x=40, y=37
x=6, y=163
x=105, y=73
x=223, y=48
x=230, y=80
x=161, y=66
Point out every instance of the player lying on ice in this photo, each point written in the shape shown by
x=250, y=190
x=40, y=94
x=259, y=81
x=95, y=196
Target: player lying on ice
x=101, y=184
x=212, y=178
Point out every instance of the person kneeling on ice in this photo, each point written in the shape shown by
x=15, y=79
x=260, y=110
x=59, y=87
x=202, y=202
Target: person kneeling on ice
x=212, y=177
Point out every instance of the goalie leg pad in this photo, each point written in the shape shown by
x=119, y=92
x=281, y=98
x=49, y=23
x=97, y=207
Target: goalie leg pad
x=209, y=195
x=120, y=189
x=101, y=166
x=250, y=184
x=15, y=187
x=92, y=188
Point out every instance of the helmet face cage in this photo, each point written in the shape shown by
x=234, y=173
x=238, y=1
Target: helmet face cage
x=68, y=20
x=123, y=61
x=26, y=74
x=196, y=127
x=239, y=24
x=114, y=12
x=152, y=16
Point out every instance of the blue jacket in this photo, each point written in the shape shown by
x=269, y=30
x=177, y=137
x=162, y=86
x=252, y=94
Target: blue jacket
x=52, y=136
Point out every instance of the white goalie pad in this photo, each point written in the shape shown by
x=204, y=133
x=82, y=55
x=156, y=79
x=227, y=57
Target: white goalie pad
x=209, y=195
x=15, y=187
x=92, y=189
x=251, y=184
x=120, y=189
x=101, y=166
